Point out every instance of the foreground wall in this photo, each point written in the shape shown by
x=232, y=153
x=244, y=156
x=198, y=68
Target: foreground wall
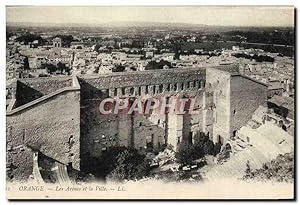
x=50, y=125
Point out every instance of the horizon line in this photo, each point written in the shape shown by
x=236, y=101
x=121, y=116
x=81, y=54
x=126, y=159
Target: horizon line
x=153, y=22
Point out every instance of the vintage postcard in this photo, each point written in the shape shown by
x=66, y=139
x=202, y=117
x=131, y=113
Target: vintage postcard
x=150, y=102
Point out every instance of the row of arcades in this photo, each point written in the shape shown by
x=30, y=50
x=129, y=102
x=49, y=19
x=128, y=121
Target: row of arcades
x=154, y=89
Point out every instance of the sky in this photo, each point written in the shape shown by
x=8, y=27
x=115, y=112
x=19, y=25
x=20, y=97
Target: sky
x=224, y=16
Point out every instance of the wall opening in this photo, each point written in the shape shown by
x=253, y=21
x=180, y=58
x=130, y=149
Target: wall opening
x=131, y=91
x=181, y=86
x=190, y=139
x=160, y=88
x=146, y=89
x=149, y=142
x=220, y=139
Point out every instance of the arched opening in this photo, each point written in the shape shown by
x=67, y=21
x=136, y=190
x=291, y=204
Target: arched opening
x=181, y=86
x=227, y=150
x=149, y=143
x=160, y=88
x=131, y=91
x=175, y=86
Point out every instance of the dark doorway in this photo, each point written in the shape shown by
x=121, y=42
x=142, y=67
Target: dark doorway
x=220, y=139
x=190, y=139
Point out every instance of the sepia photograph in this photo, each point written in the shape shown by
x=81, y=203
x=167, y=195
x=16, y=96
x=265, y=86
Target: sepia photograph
x=150, y=102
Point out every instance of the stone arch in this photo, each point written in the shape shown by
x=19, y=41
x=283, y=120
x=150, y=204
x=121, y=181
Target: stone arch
x=228, y=146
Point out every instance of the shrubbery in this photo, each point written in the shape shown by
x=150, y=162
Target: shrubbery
x=53, y=68
x=280, y=169
x=29, y=38
x=153, y=65
x=202, y=146
x=120, y=163
x=129, y=165
x=185, y=153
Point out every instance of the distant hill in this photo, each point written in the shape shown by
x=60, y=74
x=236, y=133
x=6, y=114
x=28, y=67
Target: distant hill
x=108, y=24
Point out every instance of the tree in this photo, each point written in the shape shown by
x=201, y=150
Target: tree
x=52, y=68
x=129, y=164
x=203, y=146
x=118, y=68
x=208, y=147
x=153, y=65
x=62, y=67
x=66, y=40
x=29, y=37
x=185, y=153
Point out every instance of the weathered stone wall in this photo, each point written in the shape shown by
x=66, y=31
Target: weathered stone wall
x=73, y=116
x=218, y=84
x=99, y=132
x=245, y=96
x=45, y=85
x=51, y=126
x=235, y=98
x=137, y=79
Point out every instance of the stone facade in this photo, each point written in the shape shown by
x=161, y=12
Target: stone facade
x=235, y=98
x=64, y=122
